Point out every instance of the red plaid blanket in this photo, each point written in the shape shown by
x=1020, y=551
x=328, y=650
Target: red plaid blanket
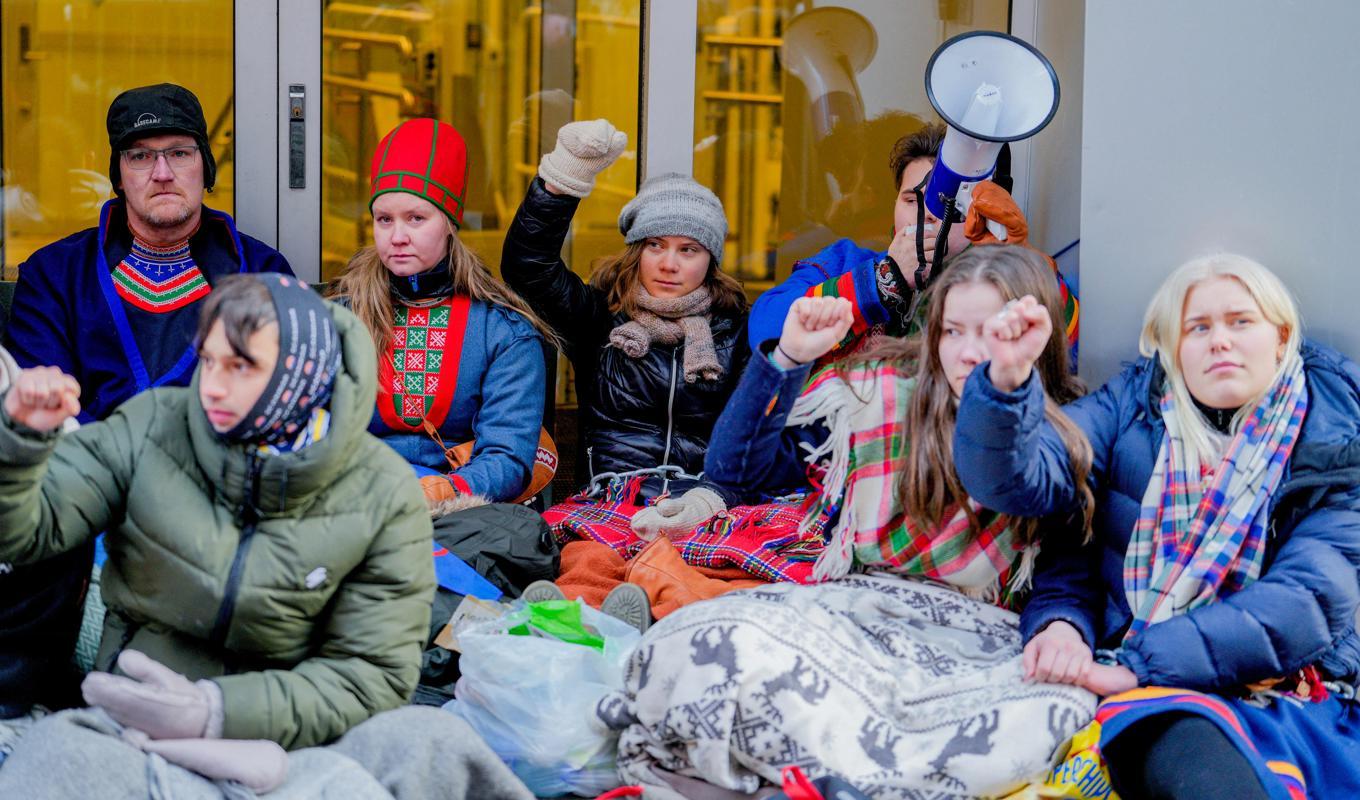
x=762, y=540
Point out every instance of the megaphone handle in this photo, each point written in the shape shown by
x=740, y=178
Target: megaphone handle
x=942, y=236
x=920, y=276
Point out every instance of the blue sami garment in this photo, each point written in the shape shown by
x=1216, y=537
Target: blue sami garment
x=844, y=269
x=67, y=312
x=770, y=309
x=475, y=371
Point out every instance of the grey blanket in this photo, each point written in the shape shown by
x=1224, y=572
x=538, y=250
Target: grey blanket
x=412, y=752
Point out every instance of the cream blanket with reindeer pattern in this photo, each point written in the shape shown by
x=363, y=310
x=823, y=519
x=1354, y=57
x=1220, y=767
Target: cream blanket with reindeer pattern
x=906, y=689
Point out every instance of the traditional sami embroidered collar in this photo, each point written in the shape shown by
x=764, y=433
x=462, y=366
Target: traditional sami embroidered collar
x=159, y=279
x=419, y=372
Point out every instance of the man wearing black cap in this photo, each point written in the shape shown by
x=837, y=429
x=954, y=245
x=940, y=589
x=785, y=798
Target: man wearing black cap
x=115, y=306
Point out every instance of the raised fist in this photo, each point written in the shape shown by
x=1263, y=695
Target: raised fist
x=43, y=398
x=813, y=327
x=584, y=150
x=1016, y=337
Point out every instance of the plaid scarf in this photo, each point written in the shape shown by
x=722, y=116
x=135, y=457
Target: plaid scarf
x=1201, y=535
x=858, y=470
x=764, y=540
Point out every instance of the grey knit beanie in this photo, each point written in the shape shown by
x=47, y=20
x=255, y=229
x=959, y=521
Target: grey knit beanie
x=676, y=205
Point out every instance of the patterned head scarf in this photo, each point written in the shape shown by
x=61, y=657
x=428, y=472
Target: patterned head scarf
x=304, y=375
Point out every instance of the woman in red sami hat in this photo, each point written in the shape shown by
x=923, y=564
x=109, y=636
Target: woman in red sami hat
x=460, y=355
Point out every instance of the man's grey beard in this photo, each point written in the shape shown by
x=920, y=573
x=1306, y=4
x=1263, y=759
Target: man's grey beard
x=157, y=219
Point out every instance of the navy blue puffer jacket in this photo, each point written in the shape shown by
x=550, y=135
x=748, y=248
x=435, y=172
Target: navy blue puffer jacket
x=1301, y=611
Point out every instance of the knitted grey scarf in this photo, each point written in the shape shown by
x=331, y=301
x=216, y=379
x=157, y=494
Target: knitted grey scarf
x=672, y=320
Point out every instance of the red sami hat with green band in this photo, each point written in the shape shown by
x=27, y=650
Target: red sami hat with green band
x=426, y=158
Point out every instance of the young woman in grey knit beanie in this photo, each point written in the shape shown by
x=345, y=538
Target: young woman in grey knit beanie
x=656, y=336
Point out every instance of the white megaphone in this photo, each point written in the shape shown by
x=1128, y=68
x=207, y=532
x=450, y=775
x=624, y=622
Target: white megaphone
x=990, y=88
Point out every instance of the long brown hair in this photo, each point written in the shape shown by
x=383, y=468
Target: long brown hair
x=930, y=485
x=365, y=284
x=619, y=275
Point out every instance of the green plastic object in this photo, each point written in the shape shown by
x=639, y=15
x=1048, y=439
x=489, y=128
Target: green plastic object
x=558, y=619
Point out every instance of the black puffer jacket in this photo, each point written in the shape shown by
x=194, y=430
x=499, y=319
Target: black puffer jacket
x=635, y=412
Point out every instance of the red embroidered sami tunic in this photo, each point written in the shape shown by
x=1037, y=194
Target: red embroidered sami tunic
x=418, y=374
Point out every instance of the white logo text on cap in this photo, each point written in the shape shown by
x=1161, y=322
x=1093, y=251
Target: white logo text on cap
x=146, y=119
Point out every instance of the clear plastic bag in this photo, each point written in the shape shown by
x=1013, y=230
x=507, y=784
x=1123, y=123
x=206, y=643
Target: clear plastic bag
x=532, y=699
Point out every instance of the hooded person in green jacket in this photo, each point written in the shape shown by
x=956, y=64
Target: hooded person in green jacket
x=269, y=574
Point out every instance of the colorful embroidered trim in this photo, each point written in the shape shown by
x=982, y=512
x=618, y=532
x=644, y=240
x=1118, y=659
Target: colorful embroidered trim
x=159, y=279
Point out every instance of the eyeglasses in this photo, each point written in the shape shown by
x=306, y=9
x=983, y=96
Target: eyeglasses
x=143, y=158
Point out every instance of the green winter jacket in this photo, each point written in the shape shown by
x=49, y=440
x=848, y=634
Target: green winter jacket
x=306, y=598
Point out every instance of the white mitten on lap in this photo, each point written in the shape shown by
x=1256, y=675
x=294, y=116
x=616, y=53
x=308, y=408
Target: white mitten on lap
x=154, y=699
x=678, y=516
x=584, y=150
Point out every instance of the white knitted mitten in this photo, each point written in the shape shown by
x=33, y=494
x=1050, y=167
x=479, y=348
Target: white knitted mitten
x=584, y=150
x=678, y=516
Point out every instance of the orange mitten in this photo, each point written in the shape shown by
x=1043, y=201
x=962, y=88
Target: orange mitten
x=437, y=488
x=991, y=202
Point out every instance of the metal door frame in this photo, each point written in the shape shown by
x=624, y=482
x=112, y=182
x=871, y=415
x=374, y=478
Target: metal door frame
x=278, y=45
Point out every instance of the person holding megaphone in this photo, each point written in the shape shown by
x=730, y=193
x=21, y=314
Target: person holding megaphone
x=883, y=286
x=990, y=89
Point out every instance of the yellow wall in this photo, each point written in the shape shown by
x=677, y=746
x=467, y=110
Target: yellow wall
x=63, y=63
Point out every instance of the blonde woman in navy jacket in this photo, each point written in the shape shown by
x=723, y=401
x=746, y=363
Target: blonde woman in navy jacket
x=1228, y=661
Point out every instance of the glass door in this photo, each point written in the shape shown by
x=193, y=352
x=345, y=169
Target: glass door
x=506, y=73
x=61, y=64
x=797, y=107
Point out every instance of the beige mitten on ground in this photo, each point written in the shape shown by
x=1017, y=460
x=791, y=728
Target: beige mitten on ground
x=678, y=516
x=584, y=150
x=258, y=764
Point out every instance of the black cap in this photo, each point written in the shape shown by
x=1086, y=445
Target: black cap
x=153, y=110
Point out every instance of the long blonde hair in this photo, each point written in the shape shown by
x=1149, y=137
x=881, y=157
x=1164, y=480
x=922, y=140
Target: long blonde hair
x=619, y=275
x=1163, y=330
x=930, y=484
x=365, y=284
